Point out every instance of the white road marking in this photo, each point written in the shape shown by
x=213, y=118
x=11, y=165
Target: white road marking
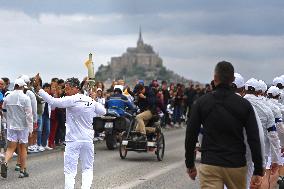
x=150, y=176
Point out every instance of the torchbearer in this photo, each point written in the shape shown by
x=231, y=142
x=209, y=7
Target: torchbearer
x=80, y=110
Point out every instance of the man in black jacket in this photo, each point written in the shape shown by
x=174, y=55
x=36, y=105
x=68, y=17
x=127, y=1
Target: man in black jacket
x=223, y=115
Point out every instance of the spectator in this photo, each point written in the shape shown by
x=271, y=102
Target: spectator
x=40, y=109
x=53, y=116
x=189, y=97
x=100, y=98
x=7, y=84
x=166, y=98
x=178, y=99
x=2, y=87
x=45, y=122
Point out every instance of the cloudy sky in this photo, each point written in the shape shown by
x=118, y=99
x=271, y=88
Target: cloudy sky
x=54, y=37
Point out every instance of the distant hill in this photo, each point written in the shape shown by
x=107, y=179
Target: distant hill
x=140, y=62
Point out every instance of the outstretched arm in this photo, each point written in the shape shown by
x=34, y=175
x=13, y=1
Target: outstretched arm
x=63, y=102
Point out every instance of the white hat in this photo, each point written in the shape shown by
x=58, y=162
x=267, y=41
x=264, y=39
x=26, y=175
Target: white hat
x=263, y=86
x=20, y=82
x=274, y=91
x=26, y=78
x=239, y=80
x=99, y=89
x=118, y=87
x=252, y=83
x=277, y=80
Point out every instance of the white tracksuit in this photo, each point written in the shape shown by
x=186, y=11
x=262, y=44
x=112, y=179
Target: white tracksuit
x=281, y=99
x=278, y=121
x=272, y=143
x=248, y=151
x=80, y=110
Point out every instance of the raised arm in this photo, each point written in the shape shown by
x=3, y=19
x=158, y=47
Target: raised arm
x=63, y=102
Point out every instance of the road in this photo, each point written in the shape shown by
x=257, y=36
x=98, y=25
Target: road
x=137, y=171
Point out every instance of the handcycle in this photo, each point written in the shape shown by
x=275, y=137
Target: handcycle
x=155, y=141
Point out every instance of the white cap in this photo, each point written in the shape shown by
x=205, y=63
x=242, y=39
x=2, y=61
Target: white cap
x=277, y=80
x=118, y=87
x=252, y=83
x=263, y=86
x=239, y=80
x=26, y=78
x=274, y=91
x=20, y=82
x=99, y=89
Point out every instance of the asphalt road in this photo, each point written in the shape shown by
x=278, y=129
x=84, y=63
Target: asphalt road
x=137, y=171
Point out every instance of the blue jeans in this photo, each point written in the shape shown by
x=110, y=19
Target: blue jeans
x=39, y=129
x=45, y=129
x=177, y=114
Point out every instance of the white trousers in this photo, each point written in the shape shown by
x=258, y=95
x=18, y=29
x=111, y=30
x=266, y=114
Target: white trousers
x=74, y=151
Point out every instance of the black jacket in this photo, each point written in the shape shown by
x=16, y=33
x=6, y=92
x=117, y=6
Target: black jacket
x=223, y=115
x=150, y=103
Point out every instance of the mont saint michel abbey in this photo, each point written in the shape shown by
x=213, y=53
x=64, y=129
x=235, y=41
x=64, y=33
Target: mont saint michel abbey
x=140, y=62
x=143, y=55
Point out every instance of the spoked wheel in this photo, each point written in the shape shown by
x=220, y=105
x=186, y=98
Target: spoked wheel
x=160, y=147
x=122, y=148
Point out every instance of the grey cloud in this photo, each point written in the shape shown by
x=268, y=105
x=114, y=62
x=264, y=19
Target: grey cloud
x=255, y=17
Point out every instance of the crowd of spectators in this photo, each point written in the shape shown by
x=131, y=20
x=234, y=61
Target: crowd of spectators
x=49, y=123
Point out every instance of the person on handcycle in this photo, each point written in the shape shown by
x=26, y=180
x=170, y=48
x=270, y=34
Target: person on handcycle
x=147, y=102
x=117, y=102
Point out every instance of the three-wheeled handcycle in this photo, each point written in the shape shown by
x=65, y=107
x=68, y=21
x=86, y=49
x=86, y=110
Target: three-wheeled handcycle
x=155, y=141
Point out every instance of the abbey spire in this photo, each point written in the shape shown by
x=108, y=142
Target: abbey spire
x=140, y=42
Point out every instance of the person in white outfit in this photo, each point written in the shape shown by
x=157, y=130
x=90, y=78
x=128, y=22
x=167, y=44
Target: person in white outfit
x=80, y=111
x=272, y=143
x=273, y=95
x=239, y=88
x=28, y=91
x=19, y=121
x=279, y=82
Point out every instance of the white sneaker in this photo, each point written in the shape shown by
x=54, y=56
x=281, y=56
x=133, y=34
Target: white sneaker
x=177, y=125
x=41, y=148
x=30, y=147
x=48, y=148
x=34, y=150
x=14, y=154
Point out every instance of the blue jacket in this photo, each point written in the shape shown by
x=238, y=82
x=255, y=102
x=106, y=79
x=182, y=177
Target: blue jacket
x=118, y=103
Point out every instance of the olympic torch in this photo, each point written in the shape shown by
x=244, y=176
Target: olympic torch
x=91, y=75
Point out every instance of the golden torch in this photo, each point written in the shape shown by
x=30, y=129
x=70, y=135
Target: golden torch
x=91, y=75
